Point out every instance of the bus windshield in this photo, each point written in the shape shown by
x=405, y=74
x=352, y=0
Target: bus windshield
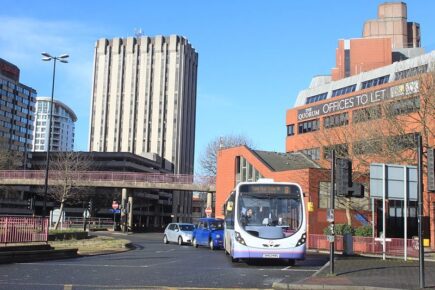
x=258, y=210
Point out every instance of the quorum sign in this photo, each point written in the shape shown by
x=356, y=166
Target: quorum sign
x=359, y=100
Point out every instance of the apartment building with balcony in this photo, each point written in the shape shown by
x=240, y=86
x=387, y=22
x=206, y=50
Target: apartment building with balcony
x=62, y=129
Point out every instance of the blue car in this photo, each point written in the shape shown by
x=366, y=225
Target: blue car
x=209, y=232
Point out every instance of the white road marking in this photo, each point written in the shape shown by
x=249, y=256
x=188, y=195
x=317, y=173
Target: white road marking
x=170, y=250
x=99, y=265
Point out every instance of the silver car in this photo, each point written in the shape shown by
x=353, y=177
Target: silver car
x=178, y=233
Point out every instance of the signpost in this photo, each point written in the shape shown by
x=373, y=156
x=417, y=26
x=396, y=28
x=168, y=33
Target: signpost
x=330, y=217
x=115, y=210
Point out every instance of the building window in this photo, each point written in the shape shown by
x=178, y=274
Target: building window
x=347, y=63
x=336, y=120
x=375, y=82
x=402, y=142
x=411, y=72
x=343, y=91
x=316, y=98
x=290, y=130
x=366, y=114
x=367, y=147
x=308, y=126
x=245, y=171
x=340, y=203
x=403, y=106
x=313, y=153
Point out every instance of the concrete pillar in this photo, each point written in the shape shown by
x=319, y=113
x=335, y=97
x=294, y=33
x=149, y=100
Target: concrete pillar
x=130, y=213
x=124, y=208
x=209, y=199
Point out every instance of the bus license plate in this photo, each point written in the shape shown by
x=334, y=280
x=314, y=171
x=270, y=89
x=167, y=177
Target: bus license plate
x=273, y=256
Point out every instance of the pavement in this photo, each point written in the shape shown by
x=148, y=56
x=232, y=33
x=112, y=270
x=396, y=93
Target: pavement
x=359, y=272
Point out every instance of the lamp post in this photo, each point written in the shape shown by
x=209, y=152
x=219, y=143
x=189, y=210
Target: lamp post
x=47, y=57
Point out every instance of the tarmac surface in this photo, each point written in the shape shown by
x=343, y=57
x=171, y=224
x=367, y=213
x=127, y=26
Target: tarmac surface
x=357, y=272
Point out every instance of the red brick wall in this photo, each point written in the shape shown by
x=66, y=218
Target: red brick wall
x=365, y=54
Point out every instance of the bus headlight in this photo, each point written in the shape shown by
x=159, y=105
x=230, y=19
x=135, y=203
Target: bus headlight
x=302, y=240
x=239, y=238
x=218, y=236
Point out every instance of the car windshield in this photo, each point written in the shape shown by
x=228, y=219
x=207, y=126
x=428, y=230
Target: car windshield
x=217, y=225
x=186, y=227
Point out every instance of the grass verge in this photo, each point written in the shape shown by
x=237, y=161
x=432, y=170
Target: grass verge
x=93, y=245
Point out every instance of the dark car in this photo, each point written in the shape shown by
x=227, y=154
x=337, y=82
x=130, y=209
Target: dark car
x=209, y=232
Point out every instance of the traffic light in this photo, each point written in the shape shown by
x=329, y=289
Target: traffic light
x=431, y=169
x=90, y=205
x=31, y=203
x=343, y=176
x=357, y=190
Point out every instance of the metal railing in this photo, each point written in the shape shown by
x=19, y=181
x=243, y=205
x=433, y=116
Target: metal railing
x=366, y=245
x=23, y=229
x=92, y=223
x=108, y=176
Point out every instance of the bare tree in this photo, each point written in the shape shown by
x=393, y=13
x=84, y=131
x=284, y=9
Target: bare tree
x=209, y=157
x=9, y=159
x=66, y=166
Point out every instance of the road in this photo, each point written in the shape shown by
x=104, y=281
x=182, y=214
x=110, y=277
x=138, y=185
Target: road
x=153, y=264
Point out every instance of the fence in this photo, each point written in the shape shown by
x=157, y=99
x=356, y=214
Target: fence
x=92, y=223
x=366, y=245
x=23, y=229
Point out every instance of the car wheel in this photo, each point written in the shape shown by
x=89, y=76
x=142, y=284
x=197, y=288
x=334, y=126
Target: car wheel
x=291, y=262
x=165, y=239
x=194, y=243
x=211, y=244
x=180, y=240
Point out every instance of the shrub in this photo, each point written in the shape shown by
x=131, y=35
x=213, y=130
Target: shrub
x=340, y=230
x=364, y=231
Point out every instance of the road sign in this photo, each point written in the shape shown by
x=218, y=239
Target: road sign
x=331, y=238
x=86, y=214
x=115, y=204
x=330, y=215
x=208, y=211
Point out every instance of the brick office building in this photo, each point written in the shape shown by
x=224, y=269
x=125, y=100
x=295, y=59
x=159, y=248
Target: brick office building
x=379, y=96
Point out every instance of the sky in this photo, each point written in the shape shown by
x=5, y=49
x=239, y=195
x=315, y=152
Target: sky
x=254, y=56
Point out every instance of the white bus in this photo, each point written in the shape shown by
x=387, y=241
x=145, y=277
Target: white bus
x=265, y=219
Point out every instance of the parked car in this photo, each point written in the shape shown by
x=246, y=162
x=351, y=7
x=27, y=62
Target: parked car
x=209, y=232
x=180, y=233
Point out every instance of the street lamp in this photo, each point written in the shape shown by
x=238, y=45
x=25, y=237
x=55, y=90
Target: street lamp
x=47, y=57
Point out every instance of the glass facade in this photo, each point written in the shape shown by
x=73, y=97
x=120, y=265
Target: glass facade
x=245, y=171
x=17, y=106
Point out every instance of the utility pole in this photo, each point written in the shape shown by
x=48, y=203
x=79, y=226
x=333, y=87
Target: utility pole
x=420, y=209
x=330, y=216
